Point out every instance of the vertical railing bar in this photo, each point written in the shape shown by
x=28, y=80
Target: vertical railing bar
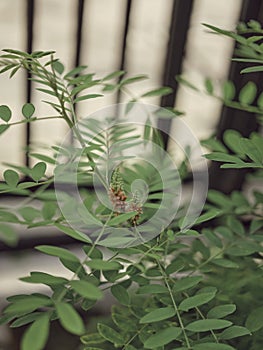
x=124, y=41
x=80, y=12
x=181, y=14
x=30, y=10
x=78, y=47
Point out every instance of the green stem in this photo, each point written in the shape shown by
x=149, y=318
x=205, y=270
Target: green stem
x=32, y=196
x=203, y=317
x=237, y=105
x=165, y=277
x=63, y=292
x=48, y=182
x=133, y=337
x=73, y=125
x=33, y=120
x=209, y=259
x=72, y=122
x=155, y=246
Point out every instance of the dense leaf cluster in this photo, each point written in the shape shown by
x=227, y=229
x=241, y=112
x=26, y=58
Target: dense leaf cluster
x=184, y=289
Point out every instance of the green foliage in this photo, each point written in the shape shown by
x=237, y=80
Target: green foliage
x=110, y=334
x=69, y=318
x=11, y=178
x=246, y=152
x=254, y=321
x=158, y=315
x=33, y=339
x=38, y=171
x=28, y=110
x=5, y=113
x=197, y=288
x=162, y=337
x=207, y=325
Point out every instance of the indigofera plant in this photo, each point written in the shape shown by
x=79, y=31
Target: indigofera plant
x=178, y=284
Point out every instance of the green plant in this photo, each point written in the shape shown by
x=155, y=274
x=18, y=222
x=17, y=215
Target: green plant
x=177, y=284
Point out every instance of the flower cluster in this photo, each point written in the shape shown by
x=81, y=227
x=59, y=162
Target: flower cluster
x=119, y=201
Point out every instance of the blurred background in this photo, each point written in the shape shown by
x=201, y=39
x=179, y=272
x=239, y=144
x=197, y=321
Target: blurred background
x=108, y=35
x=155, y=37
